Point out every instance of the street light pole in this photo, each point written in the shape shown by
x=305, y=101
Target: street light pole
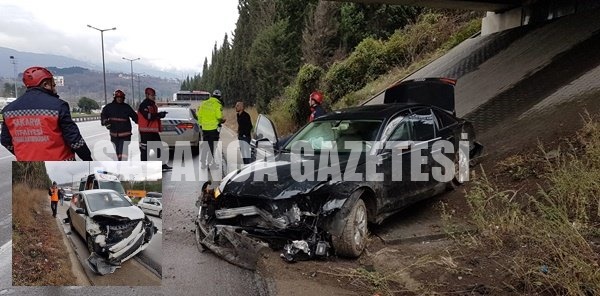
x=14, y=62
x=132, y=89
x=103, y=67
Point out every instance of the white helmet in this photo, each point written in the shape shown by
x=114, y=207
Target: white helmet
x=216, y=93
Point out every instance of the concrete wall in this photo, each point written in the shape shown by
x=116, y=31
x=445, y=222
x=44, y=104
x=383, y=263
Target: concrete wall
x=496, y=22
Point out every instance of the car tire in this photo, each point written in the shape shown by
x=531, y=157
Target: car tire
x=353, y=238
x=89, y=243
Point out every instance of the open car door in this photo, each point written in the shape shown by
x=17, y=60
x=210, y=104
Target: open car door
x=437, y=92
x=265, y=138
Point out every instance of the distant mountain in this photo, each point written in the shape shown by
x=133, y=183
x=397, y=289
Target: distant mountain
x=82, y=82
x=27, y=59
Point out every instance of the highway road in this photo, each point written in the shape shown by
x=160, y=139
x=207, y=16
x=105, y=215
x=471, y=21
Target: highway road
x=185, y=270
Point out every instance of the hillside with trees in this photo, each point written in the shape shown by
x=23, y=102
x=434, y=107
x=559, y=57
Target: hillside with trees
x=283, y=49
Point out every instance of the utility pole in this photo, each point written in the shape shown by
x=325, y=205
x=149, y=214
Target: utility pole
x=103, y=67
x=14, y=62
x=132, y=88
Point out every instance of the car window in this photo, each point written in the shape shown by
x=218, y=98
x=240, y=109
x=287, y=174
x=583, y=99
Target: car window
x=322, y=135
x=423, y=125
x=265, y=129
x=402, y=131
x=444, y=119
x=177, y=113
x=112, y=185
x=106, y=200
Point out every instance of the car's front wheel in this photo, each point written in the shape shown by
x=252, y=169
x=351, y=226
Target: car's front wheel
x=353, y=238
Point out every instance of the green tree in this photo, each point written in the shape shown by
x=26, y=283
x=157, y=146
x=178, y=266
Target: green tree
x=269, y=64
x=87, y=105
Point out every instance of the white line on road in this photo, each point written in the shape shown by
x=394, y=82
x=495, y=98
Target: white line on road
x=5, y=247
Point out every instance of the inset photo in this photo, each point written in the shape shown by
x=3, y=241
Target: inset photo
x=87, y=223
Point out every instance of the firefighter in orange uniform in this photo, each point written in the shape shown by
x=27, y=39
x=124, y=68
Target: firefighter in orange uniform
x=38, y=125
x=149, y=124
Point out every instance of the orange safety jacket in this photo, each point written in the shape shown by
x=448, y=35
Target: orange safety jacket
x=54, y=196
x=148, y=119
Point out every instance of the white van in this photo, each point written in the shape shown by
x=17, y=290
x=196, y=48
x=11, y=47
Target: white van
x=103, y=180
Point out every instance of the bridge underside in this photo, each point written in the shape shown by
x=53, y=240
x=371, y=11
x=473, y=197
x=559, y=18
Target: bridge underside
x=482, y=5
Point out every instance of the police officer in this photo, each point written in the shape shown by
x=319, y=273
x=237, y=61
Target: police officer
x=115, y=116
x=210, y=118
x=38, y=125
x=149, y=124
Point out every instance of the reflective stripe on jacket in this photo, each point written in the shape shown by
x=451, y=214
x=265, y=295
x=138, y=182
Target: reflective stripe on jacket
x=38, y=126
x=210, y=114
x=118, y=115
x=148, y=119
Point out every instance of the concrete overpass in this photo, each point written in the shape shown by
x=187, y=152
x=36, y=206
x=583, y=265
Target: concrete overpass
x=503, y=14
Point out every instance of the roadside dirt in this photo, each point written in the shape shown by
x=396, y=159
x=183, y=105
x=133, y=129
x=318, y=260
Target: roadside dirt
x=428, y=267
x=39, y=253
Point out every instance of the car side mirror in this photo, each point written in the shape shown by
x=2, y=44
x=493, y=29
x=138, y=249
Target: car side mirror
x=80, y=211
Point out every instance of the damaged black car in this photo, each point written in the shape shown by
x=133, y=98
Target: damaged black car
x=315, y=195
x=114, y=229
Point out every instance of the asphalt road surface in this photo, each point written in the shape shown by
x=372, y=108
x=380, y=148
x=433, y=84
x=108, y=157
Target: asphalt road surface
x=185, y=270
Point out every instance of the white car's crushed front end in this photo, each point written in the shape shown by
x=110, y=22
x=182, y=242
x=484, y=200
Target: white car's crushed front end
x=117, y=238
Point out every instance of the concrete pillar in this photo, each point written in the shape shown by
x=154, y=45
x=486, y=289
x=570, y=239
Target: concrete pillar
x=496, y=22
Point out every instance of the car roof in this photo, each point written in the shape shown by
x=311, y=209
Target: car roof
x=99, y=191
x=380, y=111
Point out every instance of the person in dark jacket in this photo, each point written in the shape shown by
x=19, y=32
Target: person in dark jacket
x=38, y=125
x=115, y=116
x=244, y=130
x=149, y=124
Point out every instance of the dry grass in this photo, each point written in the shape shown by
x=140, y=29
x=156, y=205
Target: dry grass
x=548, y=239
x=39, y=254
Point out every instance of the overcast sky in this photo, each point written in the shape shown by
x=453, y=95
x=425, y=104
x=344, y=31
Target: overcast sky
x=65, y=171
x=170, y=35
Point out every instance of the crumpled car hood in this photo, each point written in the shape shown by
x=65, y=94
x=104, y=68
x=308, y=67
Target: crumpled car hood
x=243, y=183
x=132, y=213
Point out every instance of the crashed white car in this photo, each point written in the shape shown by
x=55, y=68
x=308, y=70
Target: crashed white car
x=113, y=228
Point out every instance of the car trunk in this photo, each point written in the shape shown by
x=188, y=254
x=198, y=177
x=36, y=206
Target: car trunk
x=438, y=92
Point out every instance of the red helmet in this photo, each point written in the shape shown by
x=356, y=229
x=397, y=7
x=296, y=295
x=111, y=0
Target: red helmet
x=317, y=97
x=119, y=93
x=34, y=76
x=149, y=91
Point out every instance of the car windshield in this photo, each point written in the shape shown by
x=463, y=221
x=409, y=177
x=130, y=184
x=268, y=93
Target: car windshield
x=178, y=113
x=327, y=134
x=112, y=185
x=105, y=200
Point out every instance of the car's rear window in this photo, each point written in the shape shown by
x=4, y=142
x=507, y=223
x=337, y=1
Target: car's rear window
x=178, y=113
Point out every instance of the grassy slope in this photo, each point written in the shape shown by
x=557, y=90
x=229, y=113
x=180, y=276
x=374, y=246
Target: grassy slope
x=39, y=254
